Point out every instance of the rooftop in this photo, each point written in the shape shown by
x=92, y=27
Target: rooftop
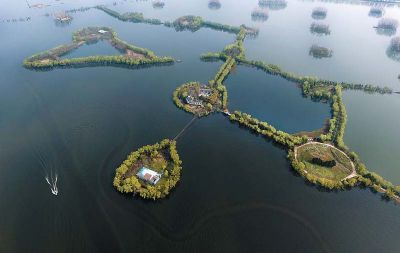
x=148, y=175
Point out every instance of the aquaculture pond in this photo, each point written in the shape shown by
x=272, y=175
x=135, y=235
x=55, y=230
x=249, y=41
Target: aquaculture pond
x=237, y=190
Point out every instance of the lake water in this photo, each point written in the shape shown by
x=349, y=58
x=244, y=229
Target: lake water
x=238, y=192
x=275, y=100
x=98, y=48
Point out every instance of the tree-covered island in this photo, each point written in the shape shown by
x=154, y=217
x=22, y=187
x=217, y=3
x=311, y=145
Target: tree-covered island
x=131, y=56
x=184, y=23
x=151, y=171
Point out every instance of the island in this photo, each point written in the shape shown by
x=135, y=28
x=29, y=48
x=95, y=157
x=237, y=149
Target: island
x=184, y=23
x=132, y=56
x=320, y=157
x=151, y=171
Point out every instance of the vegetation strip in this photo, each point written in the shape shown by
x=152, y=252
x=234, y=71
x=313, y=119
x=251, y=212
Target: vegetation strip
x=133, y=55
x=190, y=22
x=317, y=89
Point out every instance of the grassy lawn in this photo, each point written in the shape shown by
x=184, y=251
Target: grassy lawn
x=336, y=172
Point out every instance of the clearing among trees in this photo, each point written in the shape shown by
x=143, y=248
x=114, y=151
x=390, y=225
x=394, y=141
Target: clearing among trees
x=324, y=161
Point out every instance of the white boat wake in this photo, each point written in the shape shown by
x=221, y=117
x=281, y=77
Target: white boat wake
x=52, y=182
x=48, y=169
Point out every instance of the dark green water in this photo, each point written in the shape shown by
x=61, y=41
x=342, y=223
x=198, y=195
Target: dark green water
x=237, y=193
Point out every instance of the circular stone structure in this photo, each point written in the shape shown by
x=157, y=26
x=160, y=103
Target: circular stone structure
x=325, y=161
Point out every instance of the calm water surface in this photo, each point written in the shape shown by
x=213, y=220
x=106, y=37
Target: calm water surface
x=238, y=192
x=375, y=117
x=274, y=100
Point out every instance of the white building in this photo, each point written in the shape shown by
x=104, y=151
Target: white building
x=148, y=175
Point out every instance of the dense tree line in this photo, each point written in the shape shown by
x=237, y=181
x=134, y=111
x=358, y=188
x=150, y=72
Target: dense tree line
x=192, y=23
x=134, y=17
x=171, y=174
x=212, y=57
x=234, y=50
x=222, y=73
x=276, y=70
x=337, y=124
x=122, y=44
x=53, y=53
x=50, y=58
x=221, y=27
x=267, y=130
x=97, y=61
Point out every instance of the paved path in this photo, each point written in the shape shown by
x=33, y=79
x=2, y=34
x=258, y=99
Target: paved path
x=353, y=168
